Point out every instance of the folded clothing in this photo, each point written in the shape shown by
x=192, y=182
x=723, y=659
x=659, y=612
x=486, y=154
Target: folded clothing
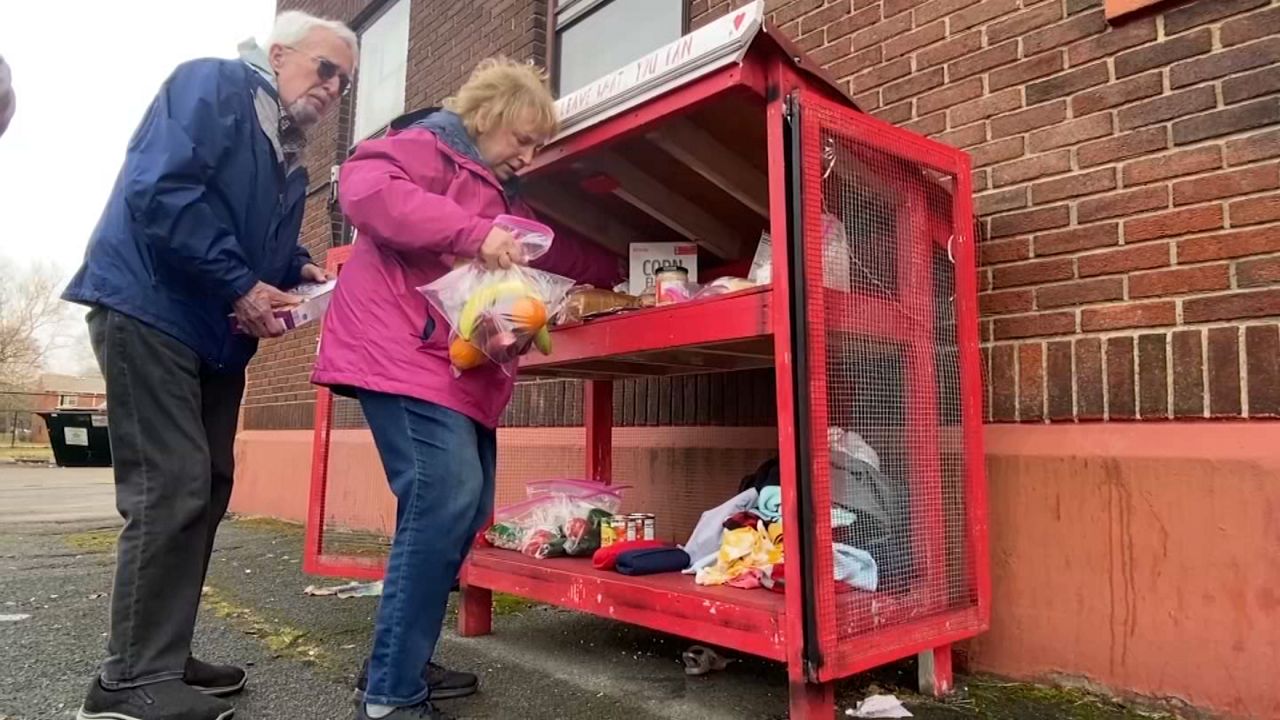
x=776, y=580
x=855, y=567
x=769, y=506
x=854, y=570
x=651, y=561
x=606, y=557
x=705, y=539
x=742, y=519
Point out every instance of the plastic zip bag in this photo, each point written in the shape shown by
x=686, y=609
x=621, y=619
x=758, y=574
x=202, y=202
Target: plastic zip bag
x=573, y=488
x=550, y=524
x=498, y=315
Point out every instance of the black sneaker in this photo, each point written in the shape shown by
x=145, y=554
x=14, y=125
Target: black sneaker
x=422, y=711
x=445, y=684
x=215, y=680
x=169, y=700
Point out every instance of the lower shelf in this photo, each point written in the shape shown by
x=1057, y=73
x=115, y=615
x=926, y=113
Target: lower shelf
x=751, y=621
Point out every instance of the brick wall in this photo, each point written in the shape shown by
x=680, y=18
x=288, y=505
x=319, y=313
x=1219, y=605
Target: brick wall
x=1127, y=178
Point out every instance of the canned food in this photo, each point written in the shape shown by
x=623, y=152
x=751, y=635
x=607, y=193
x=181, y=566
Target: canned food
x=618, y=528
x=607, y=535
x=640, y=526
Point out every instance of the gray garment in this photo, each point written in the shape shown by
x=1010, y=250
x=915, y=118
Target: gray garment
x=861, y=488
x=172, y=425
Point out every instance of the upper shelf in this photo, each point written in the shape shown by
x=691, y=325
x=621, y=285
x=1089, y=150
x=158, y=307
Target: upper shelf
x=724, y=333
x=729, y=332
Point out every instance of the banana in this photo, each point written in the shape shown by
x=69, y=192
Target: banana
x=484, y=298
x=542, y=340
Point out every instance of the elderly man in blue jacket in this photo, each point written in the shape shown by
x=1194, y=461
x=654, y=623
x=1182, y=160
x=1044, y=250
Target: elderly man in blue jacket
x=202, y=223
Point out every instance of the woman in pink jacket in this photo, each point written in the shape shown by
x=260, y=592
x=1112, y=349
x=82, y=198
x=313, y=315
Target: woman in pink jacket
x=422, y=198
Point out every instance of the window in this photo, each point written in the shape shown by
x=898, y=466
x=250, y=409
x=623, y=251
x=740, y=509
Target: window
x=68, y=400
x=596, y=37
x=384, y=59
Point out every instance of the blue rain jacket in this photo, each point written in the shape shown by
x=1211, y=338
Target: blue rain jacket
x=203, y=208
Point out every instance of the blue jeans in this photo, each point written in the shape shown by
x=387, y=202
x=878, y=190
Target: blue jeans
x=440, y=465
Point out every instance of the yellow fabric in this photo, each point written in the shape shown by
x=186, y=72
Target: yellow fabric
x=742, y=550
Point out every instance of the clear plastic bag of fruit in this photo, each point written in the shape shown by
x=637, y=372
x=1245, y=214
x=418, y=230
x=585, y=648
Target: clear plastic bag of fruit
x=553, y=523
x=498, y=315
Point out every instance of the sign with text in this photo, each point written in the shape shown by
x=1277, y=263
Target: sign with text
x=701, y=51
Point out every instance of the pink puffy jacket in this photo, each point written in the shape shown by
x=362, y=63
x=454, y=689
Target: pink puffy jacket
x=418, y=203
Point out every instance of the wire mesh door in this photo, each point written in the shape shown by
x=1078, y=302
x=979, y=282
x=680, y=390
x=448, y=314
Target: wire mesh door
x=892, y=448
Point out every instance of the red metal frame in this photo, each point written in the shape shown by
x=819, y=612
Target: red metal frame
x=315, y=560
x=598, y=418
x=761, y=623
x=807, y=700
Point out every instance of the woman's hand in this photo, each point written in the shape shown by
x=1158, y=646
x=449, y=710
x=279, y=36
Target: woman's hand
x=500, y=250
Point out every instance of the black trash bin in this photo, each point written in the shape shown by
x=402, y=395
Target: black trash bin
x=79, y=437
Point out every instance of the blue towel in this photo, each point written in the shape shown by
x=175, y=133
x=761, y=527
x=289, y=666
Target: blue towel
x=652, y=561
x=769, y=506
x=855, y=567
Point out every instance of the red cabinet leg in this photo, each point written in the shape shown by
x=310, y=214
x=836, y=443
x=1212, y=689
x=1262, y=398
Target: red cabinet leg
x=935, y=671
x=597, y=413
x=811, y=701
x=475, y=611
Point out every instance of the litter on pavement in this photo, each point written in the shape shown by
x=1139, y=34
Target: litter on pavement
x=879, y=706
x=349, y=590
x=699, y=660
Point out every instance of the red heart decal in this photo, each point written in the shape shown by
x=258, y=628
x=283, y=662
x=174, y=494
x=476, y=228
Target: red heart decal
x=737, y=22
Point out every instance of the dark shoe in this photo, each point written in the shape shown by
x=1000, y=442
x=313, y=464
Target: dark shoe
x=215, y=680
x=169, y=700
x=445, y=684
x=421, y=711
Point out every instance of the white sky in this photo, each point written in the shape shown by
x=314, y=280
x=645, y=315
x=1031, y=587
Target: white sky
x=84, y=72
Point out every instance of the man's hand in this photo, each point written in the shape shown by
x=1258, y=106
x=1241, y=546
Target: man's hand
x=500, y=250
x=312, y=272
x=256, y=310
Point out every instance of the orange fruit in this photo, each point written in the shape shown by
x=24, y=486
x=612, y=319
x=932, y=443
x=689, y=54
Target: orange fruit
x=464, y=355
x=528, y=313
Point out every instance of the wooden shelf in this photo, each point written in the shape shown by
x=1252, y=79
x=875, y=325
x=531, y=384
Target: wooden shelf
x=751, y=621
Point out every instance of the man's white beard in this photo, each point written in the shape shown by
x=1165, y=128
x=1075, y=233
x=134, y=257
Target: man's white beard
x=302, y=113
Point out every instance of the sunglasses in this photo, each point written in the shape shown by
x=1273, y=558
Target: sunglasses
x=327, y=70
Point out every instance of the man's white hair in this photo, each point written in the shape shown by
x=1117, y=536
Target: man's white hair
x=294, y=25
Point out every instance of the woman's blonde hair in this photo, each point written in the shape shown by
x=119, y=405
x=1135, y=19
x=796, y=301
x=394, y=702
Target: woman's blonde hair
x=501, y=92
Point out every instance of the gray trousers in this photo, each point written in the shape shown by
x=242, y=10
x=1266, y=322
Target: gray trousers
x=172, y=425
